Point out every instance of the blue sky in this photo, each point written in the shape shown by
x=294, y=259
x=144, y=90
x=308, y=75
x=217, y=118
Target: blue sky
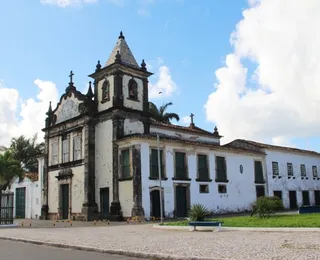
x=190, y=38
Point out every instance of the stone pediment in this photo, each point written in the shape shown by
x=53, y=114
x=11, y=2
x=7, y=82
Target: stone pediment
x=69, y=107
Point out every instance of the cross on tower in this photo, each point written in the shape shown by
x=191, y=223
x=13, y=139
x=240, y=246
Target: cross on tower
x=191, y=116
x=71, y=74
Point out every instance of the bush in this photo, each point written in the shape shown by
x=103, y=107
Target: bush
x=265, y=206
x=198, y=212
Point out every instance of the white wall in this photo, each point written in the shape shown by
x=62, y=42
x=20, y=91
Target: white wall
x=298, y=184
x=133, y=126
x=77, y=190
x=32, y=197
x=240, y=189
x=104, y=159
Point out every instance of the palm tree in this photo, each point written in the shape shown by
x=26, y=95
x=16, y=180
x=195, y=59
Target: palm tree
x=9, y=168
x=159, y=114
x=25, y=150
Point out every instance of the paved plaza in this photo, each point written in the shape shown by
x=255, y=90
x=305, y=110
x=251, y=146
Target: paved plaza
x=143, y=239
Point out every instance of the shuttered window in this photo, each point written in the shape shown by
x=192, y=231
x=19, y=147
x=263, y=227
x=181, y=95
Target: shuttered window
x=154, y=170
x=203, y=171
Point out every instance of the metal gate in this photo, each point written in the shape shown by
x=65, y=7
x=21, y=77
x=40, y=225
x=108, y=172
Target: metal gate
x=6, y=208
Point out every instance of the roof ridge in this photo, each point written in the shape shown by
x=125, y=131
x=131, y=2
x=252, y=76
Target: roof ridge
x=275, y=146
x=185, y=128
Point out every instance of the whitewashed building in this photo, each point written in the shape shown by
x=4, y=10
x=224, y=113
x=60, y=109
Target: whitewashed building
x=101, y=162
x=27, y=196
x=292, y=174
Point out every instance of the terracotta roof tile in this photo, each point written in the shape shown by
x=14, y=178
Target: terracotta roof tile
x=33, y=176
x=273, y=147
x=190, y=129
x=190, y=142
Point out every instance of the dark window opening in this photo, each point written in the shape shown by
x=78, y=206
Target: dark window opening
x=222, y=188
x=204, y=188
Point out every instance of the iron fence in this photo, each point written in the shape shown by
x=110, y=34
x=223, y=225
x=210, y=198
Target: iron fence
x=6, y=208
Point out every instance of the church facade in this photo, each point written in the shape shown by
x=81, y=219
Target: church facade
x=101, y=157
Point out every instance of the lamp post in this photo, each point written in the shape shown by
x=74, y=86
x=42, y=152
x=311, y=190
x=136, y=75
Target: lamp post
x=160, y=184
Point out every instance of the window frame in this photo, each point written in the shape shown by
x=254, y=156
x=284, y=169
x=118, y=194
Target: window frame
x=199, y=177
x=121, y=160
x=185, y=167
x=303, y=169
x=275, y=169
x=133, y=86
x=162, y=160
x=290, y=165
x=77, y=135
x=314, y=171
x=223, y=178
x=105, y=91
x=65, y=154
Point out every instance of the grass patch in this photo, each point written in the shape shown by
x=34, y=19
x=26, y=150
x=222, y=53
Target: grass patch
x=304, y=220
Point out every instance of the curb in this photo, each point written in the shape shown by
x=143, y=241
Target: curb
x=284, y=229
x=107, y=251
x=9, y=226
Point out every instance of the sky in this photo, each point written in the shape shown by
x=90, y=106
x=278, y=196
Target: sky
x=251, y=68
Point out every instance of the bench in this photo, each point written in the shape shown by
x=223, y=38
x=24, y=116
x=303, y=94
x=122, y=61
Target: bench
x=214, y=223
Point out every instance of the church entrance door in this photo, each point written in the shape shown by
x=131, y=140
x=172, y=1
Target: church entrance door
x=155, y=204
x=104, y=202
x=181, y=201
x=65, y=201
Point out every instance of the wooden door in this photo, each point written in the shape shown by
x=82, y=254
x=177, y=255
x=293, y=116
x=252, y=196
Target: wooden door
x=181, y=201
x=65, y=201
x=155, y=203
x=21, y=202
x=305, y=198
x=104, y=202
x=293, y=199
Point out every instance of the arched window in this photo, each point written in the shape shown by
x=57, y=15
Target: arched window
x=106, y=91
x=133, y=89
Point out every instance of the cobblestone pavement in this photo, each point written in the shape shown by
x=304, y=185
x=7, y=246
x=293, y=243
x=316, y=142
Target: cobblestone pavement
x=18, y=251
x=244, y=245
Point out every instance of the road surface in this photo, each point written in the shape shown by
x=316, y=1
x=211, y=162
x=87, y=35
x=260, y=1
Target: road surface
x=23, y=251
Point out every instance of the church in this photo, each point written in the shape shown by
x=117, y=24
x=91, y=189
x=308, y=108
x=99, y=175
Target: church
x=101, y=156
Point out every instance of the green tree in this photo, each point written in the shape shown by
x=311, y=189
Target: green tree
x=9, y=168
x=160, y=114
x=26, y=150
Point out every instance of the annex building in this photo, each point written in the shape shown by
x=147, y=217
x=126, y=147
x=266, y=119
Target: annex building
x=101, y=156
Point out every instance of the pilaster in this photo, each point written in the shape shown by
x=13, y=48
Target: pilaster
x=45, y=205
x=117, y=132
x=137, y=209
x=89, y=207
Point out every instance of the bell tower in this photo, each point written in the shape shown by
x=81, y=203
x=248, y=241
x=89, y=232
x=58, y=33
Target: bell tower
x=121, y=97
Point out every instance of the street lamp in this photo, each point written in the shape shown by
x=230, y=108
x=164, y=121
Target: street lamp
x=160, y=184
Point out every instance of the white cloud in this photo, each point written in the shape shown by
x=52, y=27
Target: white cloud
x=185, y=120
x=280, y=40
x=164, y=84
x=66, y=3
x=25, y=117
x=143, y=12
